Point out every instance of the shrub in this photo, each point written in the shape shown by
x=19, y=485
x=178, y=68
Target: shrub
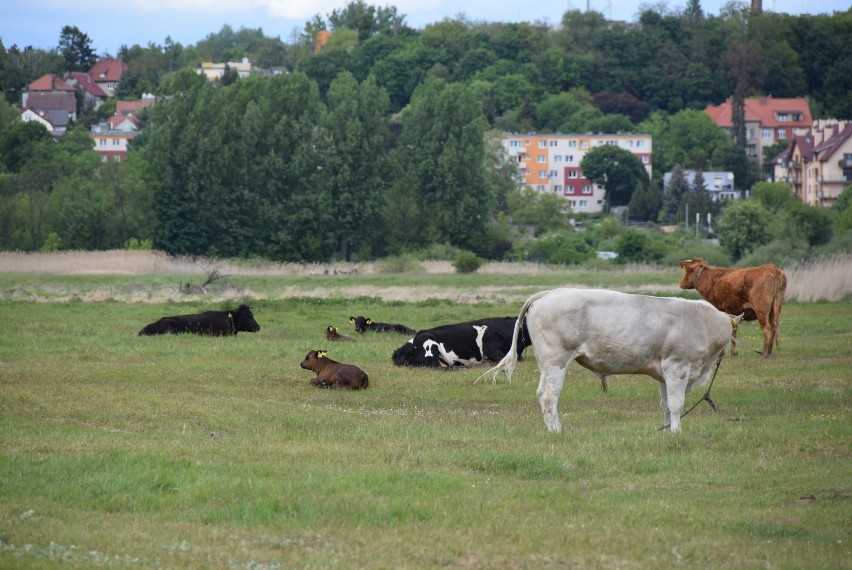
x=399, y=264
x=561, y=247
x=635, y=246
x=134, y=243
x=467, y=262
x=51, y=243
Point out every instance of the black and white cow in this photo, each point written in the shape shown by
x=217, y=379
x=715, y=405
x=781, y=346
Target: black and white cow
x=461, y=344
x=363, y=324
x=209, y=323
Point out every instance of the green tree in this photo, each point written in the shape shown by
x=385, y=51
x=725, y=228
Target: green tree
x=744, y=227
x=645, y=203
x=675, y=190
x=442, y=147
x=546, y=211
x=617, y=170
x=357, y=130
x=76, y=49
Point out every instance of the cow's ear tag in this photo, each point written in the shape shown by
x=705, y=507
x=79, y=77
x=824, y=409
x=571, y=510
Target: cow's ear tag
x=682, y=268
x=369, y=321
x=321, y=354
x=351, y=319
x=230, y=315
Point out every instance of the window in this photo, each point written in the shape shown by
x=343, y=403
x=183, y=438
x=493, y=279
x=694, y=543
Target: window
x=554, y=143
x=717, y=182
x=767, y=134
x=101, y=142
x=782, y=134
x=572, y=144
x=542, y=174
x=553, y=173
x=569, y=158
x=572, y=174
x=542, y=144
x=116, y=142
x=750, y=134
x=640, y=143
x=584, y=144
x=557, y=158
x=541, y=159
x=587, y=189
x=540, y=188
x=557, y=188
x=514, y=144
x=645, y=159
x=584, y=203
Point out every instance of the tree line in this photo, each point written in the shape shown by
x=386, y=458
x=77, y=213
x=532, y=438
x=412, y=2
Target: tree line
x=381, y=142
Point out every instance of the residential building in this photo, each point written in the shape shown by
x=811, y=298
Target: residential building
x=107, y=73
x=111, y=144
x=767, y=120
x=40, y=117
x=215, y=71
x=818, y=166
x=551, y=163
x=719, y=185
x=93, y=95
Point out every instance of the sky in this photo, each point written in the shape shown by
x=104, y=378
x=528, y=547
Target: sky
x=111, y=24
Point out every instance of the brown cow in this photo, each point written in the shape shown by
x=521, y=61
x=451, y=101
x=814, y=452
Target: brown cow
x=332, y=374
x=758, y=292
x=333, y=334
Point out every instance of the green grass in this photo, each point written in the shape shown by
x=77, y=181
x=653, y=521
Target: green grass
x=189, y=452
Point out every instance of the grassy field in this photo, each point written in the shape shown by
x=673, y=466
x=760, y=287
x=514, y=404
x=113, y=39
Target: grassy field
x=188, y=452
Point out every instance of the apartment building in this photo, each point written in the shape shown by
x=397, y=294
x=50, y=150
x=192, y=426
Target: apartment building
x=818, y=166
x=551, y=163
x=767, y=120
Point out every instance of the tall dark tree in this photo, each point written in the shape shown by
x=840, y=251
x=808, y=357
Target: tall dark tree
x=354, y=152
x=76, y=49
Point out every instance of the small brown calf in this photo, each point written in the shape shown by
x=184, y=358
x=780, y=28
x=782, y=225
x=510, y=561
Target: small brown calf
x=332, y=374
x=333, y=334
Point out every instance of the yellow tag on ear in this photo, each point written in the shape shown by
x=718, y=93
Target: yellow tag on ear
x=369, y=321
x=230, y=316
x=321, y=354
x=682, y=268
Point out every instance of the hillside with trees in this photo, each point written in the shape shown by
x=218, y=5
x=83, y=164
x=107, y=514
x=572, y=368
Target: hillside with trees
x=381, y=143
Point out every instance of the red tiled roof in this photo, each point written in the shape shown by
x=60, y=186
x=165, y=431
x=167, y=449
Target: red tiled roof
x=49, y=82
x=107, y=70
x=763, y=110
x=132, y=107
x=85, y=80
x=829, y=147
x=805, y=144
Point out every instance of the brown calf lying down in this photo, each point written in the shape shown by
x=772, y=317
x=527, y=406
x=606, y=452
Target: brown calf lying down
x=332, y=374
x=755, y=292
x=333, y=334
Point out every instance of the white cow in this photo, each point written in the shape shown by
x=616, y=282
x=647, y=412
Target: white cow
x=675, y=341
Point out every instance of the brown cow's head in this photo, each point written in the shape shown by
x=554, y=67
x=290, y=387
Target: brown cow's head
x=314, y=360
x=691, y=270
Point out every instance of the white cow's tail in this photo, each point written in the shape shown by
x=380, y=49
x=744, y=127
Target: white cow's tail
x=508, y=363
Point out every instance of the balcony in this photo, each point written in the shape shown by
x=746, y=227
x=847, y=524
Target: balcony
x=845, y=162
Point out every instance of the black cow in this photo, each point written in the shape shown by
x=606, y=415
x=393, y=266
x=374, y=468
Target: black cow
x=210, y=323
x=363, y=324
x=462, y=344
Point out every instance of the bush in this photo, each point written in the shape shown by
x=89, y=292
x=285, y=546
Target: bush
x=467, y=262
x=134, y=243
x=561, y=247
x=399, y=264
x=635, y=246
x=51, y=243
